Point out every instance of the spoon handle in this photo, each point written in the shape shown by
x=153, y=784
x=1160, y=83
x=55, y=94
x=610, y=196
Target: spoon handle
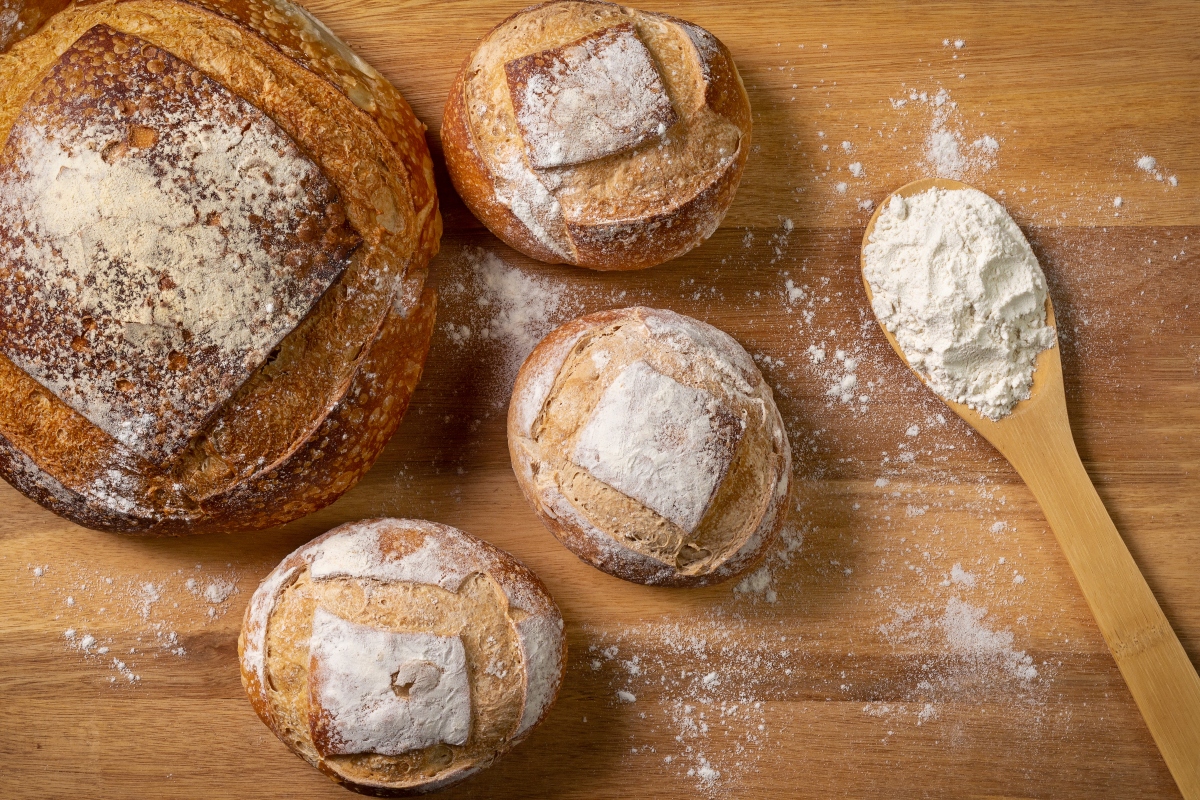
x=1162, y=680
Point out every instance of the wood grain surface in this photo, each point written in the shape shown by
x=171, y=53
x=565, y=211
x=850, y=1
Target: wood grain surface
x=918, y=633
x=1035, y=438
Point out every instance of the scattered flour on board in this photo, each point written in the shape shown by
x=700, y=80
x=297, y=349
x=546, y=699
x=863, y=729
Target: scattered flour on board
x=760, y=583
x=965, y=653
x=1150, y=166
x=491, y=302
x=714, y=720
x=757, y=583
x=711, y=721
x=965, y=656
x=960, y=575
x=833, y=356
x=968, y=636
x=948, y=150
x=214, y=592
x=837, y=368
x=120, y=622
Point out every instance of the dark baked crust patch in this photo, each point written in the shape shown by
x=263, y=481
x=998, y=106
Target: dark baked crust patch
x=158, y=237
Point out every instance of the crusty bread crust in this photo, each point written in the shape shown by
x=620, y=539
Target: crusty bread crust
x=636, y=231
x=499, y=609
x=473, y=181
x=30, y=17
x=540, y=473
x=310, y=421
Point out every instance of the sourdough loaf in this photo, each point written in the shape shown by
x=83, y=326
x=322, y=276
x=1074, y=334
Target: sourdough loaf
x=399, y=656
x=215, y=229
x=650, y=445
x=592, y=134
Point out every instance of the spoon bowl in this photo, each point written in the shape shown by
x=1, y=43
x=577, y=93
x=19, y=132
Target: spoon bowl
x=1036, y=439
x=1047, y=375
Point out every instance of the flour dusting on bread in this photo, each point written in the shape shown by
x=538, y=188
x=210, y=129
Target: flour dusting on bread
x=441, y=559
x=159, y=235
x=662, y=443
x=587, y=99
x=258, y=616
x=522, y=191
x=541, y=640
x=401, y=653
x=385, y=692
x=360, y=554
x=598, y=135
x=650, y=445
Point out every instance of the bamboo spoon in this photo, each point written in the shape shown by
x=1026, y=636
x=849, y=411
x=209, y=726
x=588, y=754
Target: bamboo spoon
x=1036, y=440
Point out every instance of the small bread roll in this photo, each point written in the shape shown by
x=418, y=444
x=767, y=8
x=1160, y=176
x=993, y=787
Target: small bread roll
x=650, y=445
x=592, y=134
x=399, y=656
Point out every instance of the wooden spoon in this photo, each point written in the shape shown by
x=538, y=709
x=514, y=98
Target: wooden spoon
x=1036, y=440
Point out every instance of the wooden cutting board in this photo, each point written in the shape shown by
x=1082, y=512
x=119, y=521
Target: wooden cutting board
x=918, y=632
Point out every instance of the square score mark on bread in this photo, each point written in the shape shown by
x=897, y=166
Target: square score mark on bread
x=587, y=99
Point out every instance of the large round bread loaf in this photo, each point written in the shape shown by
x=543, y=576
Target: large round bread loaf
x=592, y=134
x=650, y=445
x=399, y=656
x=215, y=229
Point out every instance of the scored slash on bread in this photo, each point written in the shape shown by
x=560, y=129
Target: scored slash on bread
x=650, y=445
x=611, y=184
x=297, y=402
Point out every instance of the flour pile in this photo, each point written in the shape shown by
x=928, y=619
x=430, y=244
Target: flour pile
x=956, y=282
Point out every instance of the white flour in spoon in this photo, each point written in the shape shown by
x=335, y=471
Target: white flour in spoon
x=955, y=281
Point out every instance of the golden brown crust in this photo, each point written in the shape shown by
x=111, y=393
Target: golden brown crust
x=473, y=181
x=653, y=540
x=405, y=578
x=658, y=238
x=349, y=367
x=332, y=458
x=27, y=18
x=304, y=39
x=551, y=214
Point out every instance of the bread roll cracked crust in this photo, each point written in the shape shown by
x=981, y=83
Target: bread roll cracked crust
x=215, y=229
x=592, y=134
x=650, y=445
x=399, y=656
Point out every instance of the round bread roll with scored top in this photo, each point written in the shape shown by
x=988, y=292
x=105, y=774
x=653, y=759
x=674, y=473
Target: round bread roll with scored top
x=650, y=445
x=215, y=229
x=592, y=134
x=400, y=656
